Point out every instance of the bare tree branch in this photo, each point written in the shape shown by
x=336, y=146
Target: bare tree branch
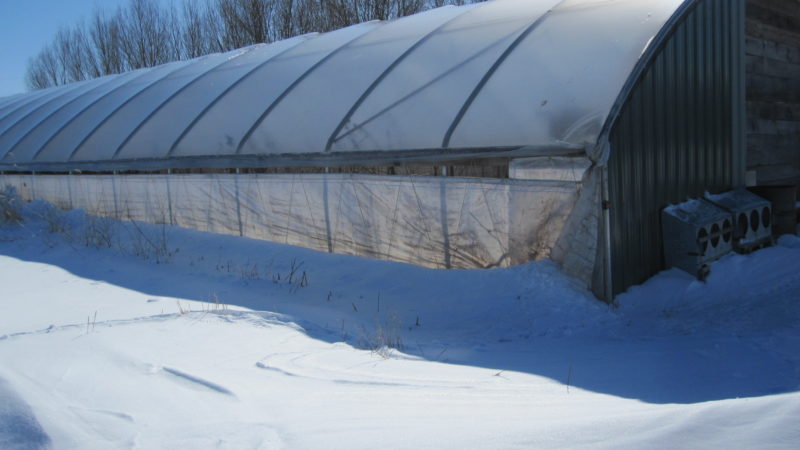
x=144, y=34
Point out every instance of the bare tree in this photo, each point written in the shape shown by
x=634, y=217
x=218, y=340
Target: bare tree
x=438, y=3
x=104, y=32
x=214, y=28
x=284, y=23
x=174, y=44
x=75, y=55
x=307, y=17
x=408, y=7
x=43, y=70
x=373, y=10
x=145, y=34
x=246, y=22
x=193, y=30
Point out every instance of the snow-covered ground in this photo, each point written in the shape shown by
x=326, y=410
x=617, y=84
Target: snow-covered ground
x=174, y=339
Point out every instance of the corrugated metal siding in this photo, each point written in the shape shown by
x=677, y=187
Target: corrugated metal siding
x=678, y=135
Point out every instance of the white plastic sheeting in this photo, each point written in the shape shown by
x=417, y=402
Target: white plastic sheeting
x=31, y=121
x=22, y=109
x=441, y=222
x=68, y=137
x=500, y=74
x=560, y=82
x=104, y=141
x=375, y=53
x=37, y=137
x=555, y=168
x=415, y=104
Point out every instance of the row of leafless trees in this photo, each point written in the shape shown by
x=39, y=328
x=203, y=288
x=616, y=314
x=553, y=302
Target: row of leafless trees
x=145, y=33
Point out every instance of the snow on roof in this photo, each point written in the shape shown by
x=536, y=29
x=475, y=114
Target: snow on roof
x=500, y=74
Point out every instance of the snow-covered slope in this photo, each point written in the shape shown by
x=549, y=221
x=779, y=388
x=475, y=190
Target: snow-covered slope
x=171, y=338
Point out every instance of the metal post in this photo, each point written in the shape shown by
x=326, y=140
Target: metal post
x=69, y=189
x=443, y=218
x=114, y=192
x=169, y=198
x=327, y=211
x=606, y=206
x=238, y=202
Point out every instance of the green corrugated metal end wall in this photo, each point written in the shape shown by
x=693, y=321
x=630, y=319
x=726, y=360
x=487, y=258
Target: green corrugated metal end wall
x=680, y=133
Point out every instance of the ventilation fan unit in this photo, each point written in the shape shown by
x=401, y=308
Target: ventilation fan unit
x=752, y=218
x=696, y=233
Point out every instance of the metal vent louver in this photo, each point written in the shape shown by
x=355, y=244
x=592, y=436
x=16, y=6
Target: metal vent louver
x=696, y=233
x=752, y=218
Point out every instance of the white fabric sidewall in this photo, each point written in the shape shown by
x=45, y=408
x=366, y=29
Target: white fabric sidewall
x=441, y=222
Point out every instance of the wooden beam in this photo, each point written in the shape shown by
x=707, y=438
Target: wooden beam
x=773, y=50
x=773, y=110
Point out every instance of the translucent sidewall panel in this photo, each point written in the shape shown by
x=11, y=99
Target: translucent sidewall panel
x=210, y=130
x=416, y=103
x=160, y=130
x=282, y=72
x=563, y=82
x=363, y=60
x=23, y=110
x=106, y=139
x=39, y=133
x=66, y=140
x=444, y=222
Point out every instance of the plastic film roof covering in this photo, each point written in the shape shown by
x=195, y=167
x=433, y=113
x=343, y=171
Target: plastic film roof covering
x=500, y=74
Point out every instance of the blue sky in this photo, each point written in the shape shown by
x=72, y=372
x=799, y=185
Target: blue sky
x=27, y=25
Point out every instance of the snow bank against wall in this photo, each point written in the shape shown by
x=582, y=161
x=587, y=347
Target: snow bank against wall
x=442, y=222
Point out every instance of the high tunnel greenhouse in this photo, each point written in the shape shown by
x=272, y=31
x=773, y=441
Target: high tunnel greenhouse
x=474, y=136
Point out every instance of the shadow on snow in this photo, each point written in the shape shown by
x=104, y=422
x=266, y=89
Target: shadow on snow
x=526, y=319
